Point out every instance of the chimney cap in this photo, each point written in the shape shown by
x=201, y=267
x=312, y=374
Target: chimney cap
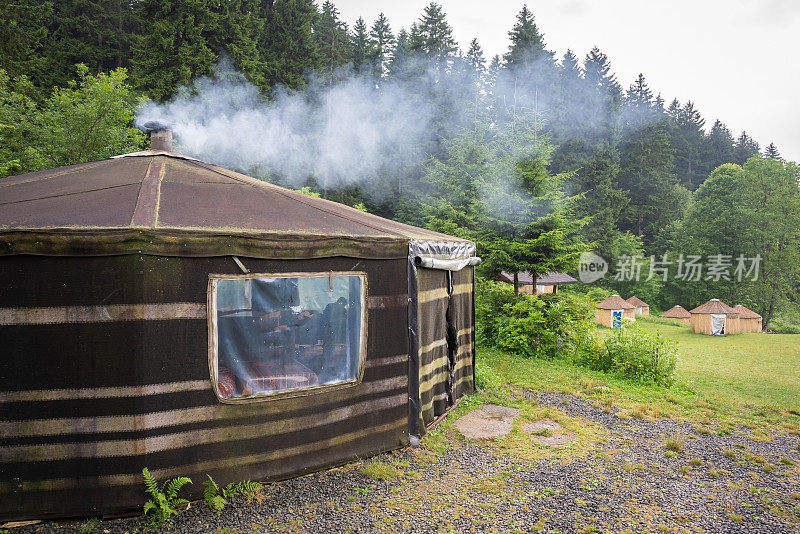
x=156, y=125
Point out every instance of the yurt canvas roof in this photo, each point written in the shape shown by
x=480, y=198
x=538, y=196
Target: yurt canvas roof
x=715, y=306
x=637, y=302
x=615, y=302
x=157, y=202
x=746, y=313
x=677, y=312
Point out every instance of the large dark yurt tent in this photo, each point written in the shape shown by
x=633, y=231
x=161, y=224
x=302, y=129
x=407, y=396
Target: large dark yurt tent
x=160, y=311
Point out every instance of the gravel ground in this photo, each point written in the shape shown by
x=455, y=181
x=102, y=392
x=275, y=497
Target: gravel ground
x=627, y=481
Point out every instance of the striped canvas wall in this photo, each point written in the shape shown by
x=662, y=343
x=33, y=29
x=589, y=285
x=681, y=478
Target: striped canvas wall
x=105, y=371
x=446, y=344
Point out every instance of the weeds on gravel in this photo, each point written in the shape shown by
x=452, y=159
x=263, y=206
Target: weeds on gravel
x=730, y=453
x=674, y=444
x=89, y=525
x=695, y=461
x=377, y=470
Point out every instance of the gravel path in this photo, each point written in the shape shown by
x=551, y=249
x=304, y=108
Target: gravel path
x=629, y=480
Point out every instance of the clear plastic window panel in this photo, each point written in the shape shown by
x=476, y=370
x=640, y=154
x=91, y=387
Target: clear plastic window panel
x=282, y=334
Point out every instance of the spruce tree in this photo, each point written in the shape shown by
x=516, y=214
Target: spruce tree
x=401, y=56
x=174, y=47
x=99, y=33
x=745, y=148
x=23, y=34
x=362, y=47
x=720, y=145
x=602, y=99
x=238, y=30
x=432, y=35
x=771, y=152
x=527, y=43
x=333, y=40
x=287, y=45
x=381, y=45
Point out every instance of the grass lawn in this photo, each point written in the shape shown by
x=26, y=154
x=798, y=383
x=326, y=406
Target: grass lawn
x=743, y=379
x=742, y=369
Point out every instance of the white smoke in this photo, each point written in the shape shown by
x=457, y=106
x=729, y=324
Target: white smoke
x=340, y=134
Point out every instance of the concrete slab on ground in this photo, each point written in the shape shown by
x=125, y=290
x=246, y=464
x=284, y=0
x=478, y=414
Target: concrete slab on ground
x=489, y=422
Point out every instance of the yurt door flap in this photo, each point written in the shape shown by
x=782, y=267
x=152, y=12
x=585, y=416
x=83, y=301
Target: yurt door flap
x=616, y=318
x=441, y=323
x=718, y=324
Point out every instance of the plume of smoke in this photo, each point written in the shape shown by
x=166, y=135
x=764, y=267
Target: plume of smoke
x=352, y=131
x=340, y=134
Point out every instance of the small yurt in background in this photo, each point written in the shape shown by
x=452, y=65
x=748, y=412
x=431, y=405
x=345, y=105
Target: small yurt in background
x=749, y=321
x=678, y=313
x=642, y=308
x=714, y=318
x=613, y=310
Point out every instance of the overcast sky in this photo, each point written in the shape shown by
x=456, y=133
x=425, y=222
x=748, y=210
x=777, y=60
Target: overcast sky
x=737, y=60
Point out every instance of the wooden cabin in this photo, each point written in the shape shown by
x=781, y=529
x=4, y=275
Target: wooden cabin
x=714, y=318
x=613, y=311
x=749, y=321
x=678, y=313
x=642, y=308
x=542, y=284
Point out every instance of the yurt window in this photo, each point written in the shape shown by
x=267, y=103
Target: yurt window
x=274, y=334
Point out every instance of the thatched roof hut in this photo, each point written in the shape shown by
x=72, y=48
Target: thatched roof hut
x=749, y=321
x=612, y=311
x=642, y=308
x=164, y=312
x=714, y=318
x=678, y=313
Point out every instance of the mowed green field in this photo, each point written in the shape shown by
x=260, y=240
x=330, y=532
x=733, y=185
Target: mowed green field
x=748, y=370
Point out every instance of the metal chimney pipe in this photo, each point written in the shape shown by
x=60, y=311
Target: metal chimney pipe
x=160, y=135
x=161, y=140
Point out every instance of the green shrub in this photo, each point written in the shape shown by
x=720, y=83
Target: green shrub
x=485, y=377
x=544, y=326
x=636, y=353
x=783, y=326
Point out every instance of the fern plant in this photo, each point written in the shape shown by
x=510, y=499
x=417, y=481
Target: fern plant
x=164, y=498
x=213, y=496
x=216, y=498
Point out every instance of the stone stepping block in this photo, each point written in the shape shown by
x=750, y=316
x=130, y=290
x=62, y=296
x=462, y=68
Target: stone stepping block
x=541, y=424
x=489, y=422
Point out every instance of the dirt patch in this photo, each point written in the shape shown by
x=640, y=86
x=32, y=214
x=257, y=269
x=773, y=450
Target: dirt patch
x=559, y=440
x=489, y=422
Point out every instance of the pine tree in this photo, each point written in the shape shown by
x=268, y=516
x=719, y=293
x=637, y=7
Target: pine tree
x=527, y=43
x=639, y=103
x=287, y=45
x=745, y=148
x=602, y=99
x=689, y=142
x=175, y=46
x=401, y=56
x=475, y=59
x=381, y=44
x=99, y=33
x=432, y=35
x=23, y=33
x=239, y=28
x=720, y=145
x=333, y=40
x=771, y=152
x=362, y=47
